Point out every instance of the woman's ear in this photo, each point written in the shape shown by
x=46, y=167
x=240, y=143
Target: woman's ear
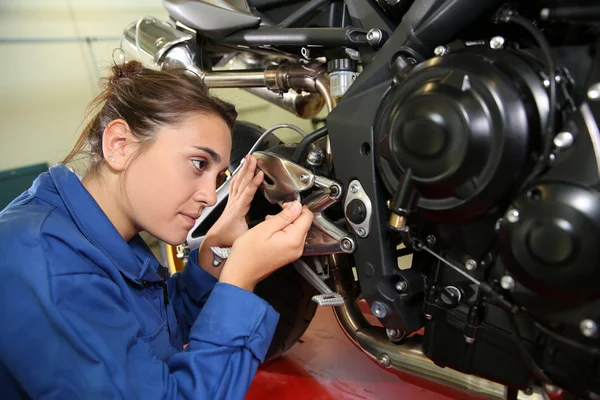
x=118, y=144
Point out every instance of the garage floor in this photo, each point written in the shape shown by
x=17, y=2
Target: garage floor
x=325, y=365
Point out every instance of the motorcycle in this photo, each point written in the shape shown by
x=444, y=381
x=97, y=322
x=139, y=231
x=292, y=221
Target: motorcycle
x=462, y=136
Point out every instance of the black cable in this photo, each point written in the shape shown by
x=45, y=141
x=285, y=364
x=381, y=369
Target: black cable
x=535, y=369
x=566, y=341
x=306, y=142
x=508, y=16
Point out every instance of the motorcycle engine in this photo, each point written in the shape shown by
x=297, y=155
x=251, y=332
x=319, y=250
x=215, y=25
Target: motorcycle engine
x=468, y=128
x=511, y=269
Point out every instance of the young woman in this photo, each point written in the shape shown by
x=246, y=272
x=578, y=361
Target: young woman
x=87, y=311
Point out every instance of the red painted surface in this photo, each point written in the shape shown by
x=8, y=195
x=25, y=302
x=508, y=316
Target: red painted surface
x=327, y=366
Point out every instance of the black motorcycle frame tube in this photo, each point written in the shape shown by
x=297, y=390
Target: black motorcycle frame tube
x=427, y=24
x=272, y=36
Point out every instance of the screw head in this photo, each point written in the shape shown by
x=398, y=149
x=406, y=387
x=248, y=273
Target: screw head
x=512, y=216
x=395, y=335
x=304, y=178
x=507, y=282
x=430, y=240
x=384, y=360
x=362, y=232
x=563, y=140
x=347, y=245
x=497, y=42
x=589, y=328
x=594, y=92
x=401, y=286
x=441, y=51
x=378, y=309
x=354, y=188
x=471, y=265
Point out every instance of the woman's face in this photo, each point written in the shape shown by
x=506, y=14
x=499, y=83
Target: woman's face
x=173, y=179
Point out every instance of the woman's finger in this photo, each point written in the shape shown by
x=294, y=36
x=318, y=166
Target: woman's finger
x=248, y=174
x=235, y=183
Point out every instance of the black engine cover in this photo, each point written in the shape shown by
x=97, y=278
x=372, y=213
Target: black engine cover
x=464, y=125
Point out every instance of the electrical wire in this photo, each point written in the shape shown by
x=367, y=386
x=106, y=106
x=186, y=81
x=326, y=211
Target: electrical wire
x=509, y=16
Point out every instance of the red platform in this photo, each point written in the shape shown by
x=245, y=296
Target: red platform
x=325, y=365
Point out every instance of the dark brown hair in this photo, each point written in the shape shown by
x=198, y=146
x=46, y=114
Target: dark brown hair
x=146, y=99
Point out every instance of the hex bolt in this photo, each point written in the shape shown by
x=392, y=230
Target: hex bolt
x=378, y=309
x=589, y=328
x=497, y=42
x=507, y=282
x=512, y=216
x=471, y=264
x=384, y=360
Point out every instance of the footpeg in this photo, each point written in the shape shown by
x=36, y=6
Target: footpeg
x=220, y=254
x=327, y=297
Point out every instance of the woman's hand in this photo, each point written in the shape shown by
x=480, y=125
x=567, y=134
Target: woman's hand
x=267, y=247
x=232, y=223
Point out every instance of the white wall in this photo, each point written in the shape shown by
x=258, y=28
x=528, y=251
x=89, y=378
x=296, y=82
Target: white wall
x=47, y=82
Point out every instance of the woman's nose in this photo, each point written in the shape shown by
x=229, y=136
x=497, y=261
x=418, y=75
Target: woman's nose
x=206, y=195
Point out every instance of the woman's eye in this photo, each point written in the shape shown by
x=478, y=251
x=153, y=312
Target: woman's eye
x=200, y=164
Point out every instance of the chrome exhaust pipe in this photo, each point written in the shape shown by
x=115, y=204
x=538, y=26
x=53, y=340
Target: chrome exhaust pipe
x=159, y=44
x=408, y=358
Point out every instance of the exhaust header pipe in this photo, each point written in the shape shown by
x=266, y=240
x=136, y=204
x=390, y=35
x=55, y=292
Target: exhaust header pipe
x=158, y=44
x=407, y=358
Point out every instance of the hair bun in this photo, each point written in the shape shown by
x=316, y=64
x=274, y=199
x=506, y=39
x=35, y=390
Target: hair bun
x=125, y=70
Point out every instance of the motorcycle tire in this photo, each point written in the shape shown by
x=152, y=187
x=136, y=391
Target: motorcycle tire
x=285, y=290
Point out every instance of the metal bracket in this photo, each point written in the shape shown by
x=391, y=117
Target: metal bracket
x=285, y=180
x=356, y=191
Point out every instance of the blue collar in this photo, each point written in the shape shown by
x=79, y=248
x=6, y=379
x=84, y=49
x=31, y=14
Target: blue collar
x=134, y=259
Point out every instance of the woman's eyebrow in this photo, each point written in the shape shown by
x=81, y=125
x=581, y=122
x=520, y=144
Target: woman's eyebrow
x=213, y=154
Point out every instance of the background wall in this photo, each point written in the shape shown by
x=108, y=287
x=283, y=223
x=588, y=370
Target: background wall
x=49, y=73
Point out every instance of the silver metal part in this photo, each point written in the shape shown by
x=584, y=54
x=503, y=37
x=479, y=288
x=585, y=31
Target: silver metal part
x=220, y=254
x=393, y=2
x=563, y=140
x=384, y=360
x=357, y=192
x=441, y=51
x=589, y=328
x=512, y=216
x=315, y=156
x=507, y=282
x=594, y=92
x=408, y=358
x=327, y=297
x=395, y=335
x=284, y=179
x=149, y=39
x=401, y=286
x=301, y=89
x=469, y=340
x=456, y=292
x=341, y=81
x=374, y=37
x=378, y=309
x=471, y=265
x=430, y=240
x=497, y=42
